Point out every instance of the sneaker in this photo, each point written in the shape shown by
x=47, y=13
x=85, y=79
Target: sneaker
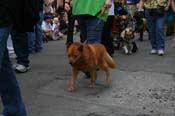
x=160, y=52
x=21, y=68
x=14, y=66
x=153, y=51
x=38, y=50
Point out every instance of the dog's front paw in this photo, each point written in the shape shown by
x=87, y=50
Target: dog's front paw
x=125, y=50
x=108, y=82
x=71, y=88
x=92, y=85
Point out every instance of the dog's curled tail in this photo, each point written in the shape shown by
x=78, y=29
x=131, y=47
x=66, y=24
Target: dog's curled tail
x=110, y=61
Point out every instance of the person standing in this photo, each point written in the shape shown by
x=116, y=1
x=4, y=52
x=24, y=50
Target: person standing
x=20, y=44
x=13, y=14
x=70, y=31
x=170, y=18
x=107, y=39
x=131, y=6
x=35, y=39
x=91, y=15
x=155, y=16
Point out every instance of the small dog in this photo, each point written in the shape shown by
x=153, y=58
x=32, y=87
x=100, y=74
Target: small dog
x=86, y=58
x=129, y=44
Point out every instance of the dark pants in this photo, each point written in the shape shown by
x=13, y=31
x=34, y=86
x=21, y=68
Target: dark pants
x=156, y=30
x=20, y=44
x=35, y=39
x=9, y=87
x=70, y=31
x=90, y=28
x=107, y=39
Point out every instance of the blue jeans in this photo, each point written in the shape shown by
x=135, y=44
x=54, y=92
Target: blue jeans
x=91, y=29
x=156, y=30
x=35, y=39
x=9, y=87
x=20, y=44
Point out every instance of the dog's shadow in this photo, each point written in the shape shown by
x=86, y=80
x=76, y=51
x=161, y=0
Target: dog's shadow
x=82, y=86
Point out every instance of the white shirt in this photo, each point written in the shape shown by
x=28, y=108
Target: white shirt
x=45, y=25
x=111, y=10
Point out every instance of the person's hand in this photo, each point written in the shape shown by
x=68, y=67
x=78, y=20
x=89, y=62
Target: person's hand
x=108, y=4
x=67, y=7
x=140, y=5
x=168, y=5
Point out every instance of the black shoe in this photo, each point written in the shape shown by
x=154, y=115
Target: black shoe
x=38, y=50
x=31, y=52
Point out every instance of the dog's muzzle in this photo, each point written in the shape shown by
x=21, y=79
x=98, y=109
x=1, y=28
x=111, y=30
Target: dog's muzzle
x=77, y=58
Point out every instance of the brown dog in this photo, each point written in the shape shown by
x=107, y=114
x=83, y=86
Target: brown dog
x=86, y=58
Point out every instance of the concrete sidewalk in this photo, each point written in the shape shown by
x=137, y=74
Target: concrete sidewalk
x=142, y=85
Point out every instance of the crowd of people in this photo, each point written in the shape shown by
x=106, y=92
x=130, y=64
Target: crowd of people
x=32, y=22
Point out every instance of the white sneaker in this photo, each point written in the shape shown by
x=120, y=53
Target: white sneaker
x=21, y=68
x=160, y=52
x=153, y=51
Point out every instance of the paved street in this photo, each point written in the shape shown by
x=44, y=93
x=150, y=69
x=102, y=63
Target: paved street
x=142, y=84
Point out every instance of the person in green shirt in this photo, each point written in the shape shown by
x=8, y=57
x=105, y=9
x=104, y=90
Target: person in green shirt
x=91, y=15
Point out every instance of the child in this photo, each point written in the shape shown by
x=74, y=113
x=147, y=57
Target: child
x=47, y=28
x=56, y=33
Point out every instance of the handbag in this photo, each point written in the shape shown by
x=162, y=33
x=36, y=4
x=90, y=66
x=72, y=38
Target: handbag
x=169, y=16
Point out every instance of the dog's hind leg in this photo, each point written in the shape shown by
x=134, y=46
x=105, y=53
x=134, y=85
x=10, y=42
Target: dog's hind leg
x=73, y=79
x=104, y=66
x=93, y=78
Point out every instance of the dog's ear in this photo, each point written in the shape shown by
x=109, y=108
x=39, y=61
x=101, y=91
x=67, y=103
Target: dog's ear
x=80, y=48
x=68, y=44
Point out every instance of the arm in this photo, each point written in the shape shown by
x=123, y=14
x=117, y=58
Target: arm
x=108, y=4
x=173, y=5
x=47, y=30
x=60, y=3
x=141, y=3
x=68, y=4
x=168, y=5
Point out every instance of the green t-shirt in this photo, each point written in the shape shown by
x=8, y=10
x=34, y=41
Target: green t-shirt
x=89, y=7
